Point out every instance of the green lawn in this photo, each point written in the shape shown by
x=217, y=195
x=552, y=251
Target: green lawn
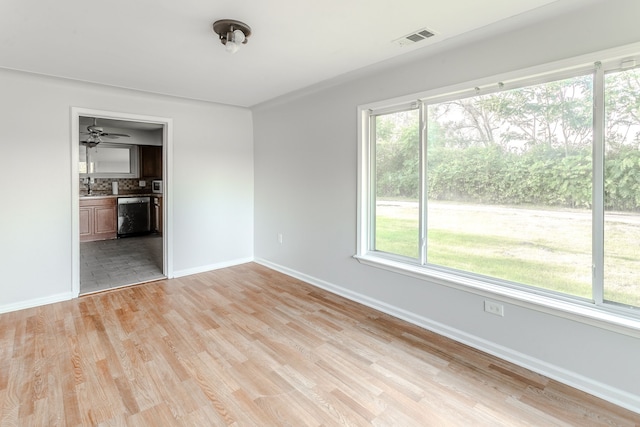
x=514, y=247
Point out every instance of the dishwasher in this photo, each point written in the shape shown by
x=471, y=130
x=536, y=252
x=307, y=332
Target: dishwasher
x=134, y=216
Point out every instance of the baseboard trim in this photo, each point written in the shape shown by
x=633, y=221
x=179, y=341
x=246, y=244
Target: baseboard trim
x=70, y=295
x=210, y=267
x=580, y=382
x=36, y=302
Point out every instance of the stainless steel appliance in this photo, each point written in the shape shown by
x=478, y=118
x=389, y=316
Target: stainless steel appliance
x=156, y=215
x=134, y=216
x=156, y=186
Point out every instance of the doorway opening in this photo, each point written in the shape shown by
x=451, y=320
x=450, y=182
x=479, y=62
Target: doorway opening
x=121, y=203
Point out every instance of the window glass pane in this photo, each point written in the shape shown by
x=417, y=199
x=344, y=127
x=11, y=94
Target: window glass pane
x=397, y=182
x=622, y=188
x=509, y=185
x=110, y=160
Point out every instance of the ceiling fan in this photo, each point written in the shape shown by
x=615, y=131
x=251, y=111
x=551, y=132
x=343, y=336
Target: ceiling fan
x=96, y=132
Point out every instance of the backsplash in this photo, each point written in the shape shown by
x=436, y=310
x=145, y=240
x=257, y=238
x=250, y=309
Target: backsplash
x=125, y=185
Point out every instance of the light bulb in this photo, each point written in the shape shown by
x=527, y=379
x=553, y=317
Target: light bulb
x=238, y=36
x=231, y=47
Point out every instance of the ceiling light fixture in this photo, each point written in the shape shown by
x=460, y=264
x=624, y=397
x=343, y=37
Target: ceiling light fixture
x=232, y=33
x=92, y=141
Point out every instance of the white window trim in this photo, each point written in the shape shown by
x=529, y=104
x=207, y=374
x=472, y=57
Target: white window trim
x=589, y=312
x=605, y=318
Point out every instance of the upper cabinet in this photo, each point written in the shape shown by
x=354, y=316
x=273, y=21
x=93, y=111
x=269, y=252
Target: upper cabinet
x=150, y=161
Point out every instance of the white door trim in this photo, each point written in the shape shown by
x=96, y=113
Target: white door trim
x=167, y=197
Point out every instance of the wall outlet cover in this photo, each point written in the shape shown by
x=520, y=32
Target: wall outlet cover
x=494, y=308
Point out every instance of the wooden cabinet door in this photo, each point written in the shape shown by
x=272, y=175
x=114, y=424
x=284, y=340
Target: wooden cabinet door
x=105, y=220
x=98, y=219
x=150, y=161
x=86, y=223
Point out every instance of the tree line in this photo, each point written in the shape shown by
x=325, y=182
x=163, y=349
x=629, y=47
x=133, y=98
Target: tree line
x=531, y=145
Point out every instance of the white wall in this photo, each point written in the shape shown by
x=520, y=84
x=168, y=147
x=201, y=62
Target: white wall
x=305, y=170
x=211, y=174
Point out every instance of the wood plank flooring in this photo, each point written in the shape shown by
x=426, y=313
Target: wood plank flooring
x=247, y=346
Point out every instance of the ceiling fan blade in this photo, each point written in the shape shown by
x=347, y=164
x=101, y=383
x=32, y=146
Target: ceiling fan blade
x=114, y=135
x=95, y=131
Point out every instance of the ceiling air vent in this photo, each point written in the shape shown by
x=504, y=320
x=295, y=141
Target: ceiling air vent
x=414, y=37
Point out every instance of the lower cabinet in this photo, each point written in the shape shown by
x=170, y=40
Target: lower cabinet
x=98, y=219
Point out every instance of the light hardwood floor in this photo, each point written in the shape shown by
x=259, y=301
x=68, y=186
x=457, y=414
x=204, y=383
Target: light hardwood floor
x=247, y=346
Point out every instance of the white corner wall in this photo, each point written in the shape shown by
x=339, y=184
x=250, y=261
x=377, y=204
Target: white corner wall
x=305, y=190
x=211, y=178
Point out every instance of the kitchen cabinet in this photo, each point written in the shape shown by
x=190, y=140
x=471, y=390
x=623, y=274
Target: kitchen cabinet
x=98, y=219
x=150, y=161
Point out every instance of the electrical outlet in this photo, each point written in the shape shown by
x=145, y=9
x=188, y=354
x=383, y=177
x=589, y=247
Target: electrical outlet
x=280, y=238
x=494, y=308
x=142, y=183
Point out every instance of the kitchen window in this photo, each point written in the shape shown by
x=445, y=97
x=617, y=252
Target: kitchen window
x=108, y=160
x=528, y=188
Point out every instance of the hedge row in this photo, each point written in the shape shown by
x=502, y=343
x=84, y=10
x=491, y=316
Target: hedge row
x=543, y=176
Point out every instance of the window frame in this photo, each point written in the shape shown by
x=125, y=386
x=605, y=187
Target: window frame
x=594, y=311
x=132, y=150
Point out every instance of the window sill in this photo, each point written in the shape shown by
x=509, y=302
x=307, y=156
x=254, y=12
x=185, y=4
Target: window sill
x=574, y=310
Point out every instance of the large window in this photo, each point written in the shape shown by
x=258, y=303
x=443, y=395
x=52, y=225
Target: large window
x=532, y=186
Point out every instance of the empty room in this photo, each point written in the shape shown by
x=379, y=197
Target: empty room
x=409, y=213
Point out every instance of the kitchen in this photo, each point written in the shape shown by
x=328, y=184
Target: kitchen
x=120, y=207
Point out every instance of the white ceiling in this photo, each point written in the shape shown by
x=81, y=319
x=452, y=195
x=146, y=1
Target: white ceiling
x=168, y=46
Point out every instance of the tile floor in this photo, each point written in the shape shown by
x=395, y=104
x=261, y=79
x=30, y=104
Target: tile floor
x=108, y=264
